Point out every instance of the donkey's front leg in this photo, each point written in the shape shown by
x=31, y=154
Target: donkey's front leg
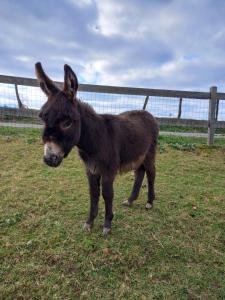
x=107, y=193
x=94, y=189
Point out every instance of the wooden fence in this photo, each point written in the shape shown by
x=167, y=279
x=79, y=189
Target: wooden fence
x=213, y=98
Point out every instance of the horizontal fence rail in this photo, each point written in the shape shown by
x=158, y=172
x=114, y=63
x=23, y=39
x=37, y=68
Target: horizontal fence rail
x=13, y=114
x=113, y=89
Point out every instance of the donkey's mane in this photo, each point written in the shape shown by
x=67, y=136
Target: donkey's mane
x=86, y=108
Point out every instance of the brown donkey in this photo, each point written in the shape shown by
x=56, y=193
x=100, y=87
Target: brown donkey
x=107, y=143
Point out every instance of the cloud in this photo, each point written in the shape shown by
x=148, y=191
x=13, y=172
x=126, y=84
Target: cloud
x=168, y=44
x=81, y=3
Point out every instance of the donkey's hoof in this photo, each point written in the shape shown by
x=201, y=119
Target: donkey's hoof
x=87, y=227
x=106, y=231
x=148, y=205
x=126, y=203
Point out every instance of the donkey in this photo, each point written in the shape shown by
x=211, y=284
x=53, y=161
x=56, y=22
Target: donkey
x=107, y=143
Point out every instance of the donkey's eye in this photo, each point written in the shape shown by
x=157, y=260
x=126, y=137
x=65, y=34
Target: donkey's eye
x=66, y=124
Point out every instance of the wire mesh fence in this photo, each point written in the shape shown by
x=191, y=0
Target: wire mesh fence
x=178, y=112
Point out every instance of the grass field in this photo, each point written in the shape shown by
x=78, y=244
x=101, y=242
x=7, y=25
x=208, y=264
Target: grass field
x=175, y=251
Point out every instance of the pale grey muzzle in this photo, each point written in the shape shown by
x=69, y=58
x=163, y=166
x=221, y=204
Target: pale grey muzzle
x=53, y=154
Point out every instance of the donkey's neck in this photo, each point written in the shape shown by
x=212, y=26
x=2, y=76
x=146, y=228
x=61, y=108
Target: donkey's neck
x=92, y=129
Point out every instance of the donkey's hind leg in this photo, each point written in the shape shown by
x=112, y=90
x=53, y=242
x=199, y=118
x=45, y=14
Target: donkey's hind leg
x=151, y=189
x=149, y=165
x=139, y=176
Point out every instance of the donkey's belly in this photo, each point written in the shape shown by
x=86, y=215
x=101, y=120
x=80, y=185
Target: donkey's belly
x=133, y=165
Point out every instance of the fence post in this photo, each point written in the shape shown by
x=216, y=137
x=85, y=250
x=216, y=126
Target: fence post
x=212, y=114
x=217, y=108
x=180, y=108
x=20, y=103
x=145, y=103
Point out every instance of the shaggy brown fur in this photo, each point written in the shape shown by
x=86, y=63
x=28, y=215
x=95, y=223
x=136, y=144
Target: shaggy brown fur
x=106, y=143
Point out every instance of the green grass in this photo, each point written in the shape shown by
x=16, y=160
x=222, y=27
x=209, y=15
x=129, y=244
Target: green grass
x=189, y=140
x=175, y=251
x=189, y=129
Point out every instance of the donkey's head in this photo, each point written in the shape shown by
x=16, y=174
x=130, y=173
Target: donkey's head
x=60, y=115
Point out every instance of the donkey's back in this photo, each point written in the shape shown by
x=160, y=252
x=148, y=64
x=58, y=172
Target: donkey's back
x=140, y=125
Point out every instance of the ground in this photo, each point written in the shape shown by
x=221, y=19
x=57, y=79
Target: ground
x=175, y=251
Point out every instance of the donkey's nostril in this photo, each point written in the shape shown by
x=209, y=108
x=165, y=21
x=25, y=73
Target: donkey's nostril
x=52, y=160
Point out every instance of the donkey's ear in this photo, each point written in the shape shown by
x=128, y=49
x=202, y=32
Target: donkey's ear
x=46, y=84
x=70, y=82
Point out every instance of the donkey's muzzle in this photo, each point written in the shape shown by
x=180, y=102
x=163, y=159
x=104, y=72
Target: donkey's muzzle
x=53, y=160
x=53, y=154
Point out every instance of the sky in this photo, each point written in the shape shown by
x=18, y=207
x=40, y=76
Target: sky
x=167, y=44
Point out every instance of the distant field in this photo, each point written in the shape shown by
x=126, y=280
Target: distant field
x=175, y=251
x=16, y=119
x=189, y=129
x=170, y=128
